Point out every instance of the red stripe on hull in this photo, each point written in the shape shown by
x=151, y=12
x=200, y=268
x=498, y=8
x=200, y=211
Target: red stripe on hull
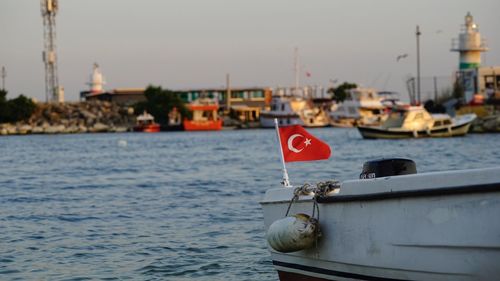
x=152, y=128
x=214, y=125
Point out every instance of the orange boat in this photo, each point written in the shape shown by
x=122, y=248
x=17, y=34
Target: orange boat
x=205, y=116
x=146, y=123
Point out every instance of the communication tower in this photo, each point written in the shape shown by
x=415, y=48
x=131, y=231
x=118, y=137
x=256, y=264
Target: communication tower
x=469, y=44
x=53, y=92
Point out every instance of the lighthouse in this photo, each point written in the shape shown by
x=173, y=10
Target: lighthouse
x=469, y=45
x=96, y=80
x=479, y=83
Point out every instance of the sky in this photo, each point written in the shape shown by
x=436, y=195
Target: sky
x=183, y=44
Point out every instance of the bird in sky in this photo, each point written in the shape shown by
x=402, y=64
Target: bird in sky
x=401, y=57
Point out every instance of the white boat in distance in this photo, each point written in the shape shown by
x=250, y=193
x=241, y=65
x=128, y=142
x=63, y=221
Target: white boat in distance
x=362, y=106
x=416, y=122
x=293, y=109
x=430, y=226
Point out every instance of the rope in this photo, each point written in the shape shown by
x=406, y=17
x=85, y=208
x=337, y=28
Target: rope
x=320, y=190
x=305, y=189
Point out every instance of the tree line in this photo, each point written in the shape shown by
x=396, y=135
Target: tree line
x=159, y=102
x=15, y=110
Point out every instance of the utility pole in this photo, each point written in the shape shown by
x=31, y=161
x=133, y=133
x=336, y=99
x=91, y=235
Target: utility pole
x=297, y=70
x=228, y=92
x=4, y=74
x=49, y=9
x=435, y=89
x=418, y=33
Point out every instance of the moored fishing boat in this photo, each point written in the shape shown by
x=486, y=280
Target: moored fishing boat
x=290, y=108
x=391, y=224
x=362, y=106
x=282, y=109
x=416, y=122
x=204, y=116
x=146, y=123
x=174, y=121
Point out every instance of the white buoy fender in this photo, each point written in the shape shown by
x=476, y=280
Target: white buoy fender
x=293, y=233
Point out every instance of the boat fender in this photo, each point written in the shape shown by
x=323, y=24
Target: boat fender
x=293, y=233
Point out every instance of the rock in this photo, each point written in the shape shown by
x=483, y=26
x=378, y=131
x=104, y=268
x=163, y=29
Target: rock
x=120, y=129
x=82, y=129
x=37, y=130
x=99, y=128
x=77, y=117
x=24, y=129
x=87, y=114
x=492, y=124
x=57, y=129
x=90, y=122
x=11, y=130
x=65, y=122
x=71, y=130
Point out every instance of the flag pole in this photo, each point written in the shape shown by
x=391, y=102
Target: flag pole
x=286, y=180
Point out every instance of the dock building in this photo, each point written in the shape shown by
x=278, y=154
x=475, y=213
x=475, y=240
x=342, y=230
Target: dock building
x=243, y=103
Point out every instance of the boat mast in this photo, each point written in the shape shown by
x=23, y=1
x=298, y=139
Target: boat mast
x=228, y=92
x=296, y=66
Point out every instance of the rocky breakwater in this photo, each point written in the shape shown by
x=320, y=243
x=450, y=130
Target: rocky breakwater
x=77, y=117
x=486, y=124
x=488, y=117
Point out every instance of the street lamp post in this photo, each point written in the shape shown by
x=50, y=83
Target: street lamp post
x=4, y=74
x=418, y=33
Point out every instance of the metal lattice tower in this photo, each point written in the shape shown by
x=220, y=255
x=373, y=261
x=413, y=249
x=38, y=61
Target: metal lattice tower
x=49, y=10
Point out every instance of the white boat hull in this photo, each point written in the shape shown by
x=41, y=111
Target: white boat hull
x=436, y=226
x=458, y=129
x=267, y=121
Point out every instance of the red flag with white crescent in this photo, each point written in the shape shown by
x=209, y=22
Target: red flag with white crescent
x=299, y=145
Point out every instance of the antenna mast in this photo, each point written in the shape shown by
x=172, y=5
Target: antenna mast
x=4, y=74
x=49, y=9
x=297, y=70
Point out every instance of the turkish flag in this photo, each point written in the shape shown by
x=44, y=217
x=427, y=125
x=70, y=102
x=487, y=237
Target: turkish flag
x=299, y=145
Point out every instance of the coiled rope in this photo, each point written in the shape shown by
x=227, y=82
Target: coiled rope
x=320, y=190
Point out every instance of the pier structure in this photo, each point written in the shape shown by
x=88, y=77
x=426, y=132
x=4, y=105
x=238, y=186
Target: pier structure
x=53, y=92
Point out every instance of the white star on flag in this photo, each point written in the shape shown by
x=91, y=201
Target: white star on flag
x=307, y=142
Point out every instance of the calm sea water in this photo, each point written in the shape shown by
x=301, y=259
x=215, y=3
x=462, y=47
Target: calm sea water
x=171, y=206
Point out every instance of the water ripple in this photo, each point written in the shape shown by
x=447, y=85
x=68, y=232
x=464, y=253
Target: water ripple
x=170, y=206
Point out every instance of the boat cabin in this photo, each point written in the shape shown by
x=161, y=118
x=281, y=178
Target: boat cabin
x=441, y=120
x=204, y=116
x=204, y=112
x=145, y=119
x=409, y=118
